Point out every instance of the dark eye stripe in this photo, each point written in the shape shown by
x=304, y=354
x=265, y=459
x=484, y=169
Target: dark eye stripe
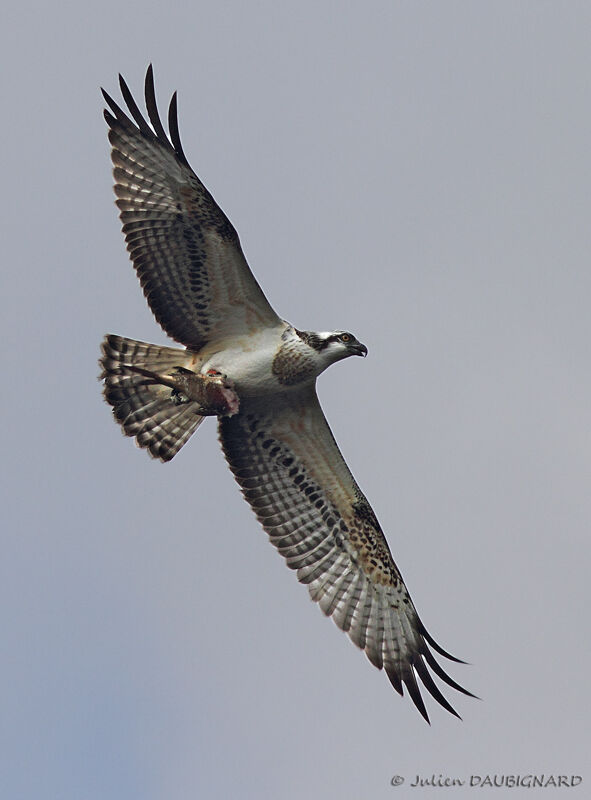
x=314, y=341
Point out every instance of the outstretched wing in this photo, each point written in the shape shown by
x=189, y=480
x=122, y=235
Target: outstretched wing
x=185, y=250
x=284, y=457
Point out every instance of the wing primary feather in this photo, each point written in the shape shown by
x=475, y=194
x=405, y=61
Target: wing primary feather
x=152, y=108
x=417, y=665
x=415, y=693
x=134, y=110
x=394, y=679
x=438, y=647
x=115, y=108
x=441, y=673
x=173, y=126
x=109, y=118
x=432, y=687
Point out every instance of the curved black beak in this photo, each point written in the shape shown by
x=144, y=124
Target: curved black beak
x=359, y=349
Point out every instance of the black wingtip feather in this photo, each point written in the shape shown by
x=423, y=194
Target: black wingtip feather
x=173, y=127
x=118, y=112
x=109, y=118
x=172, y=141
x=427, y=636
x=133, y=108
x=394, y=679
x=440, y=672
x=418, y=667
x=415, y=694
x=152, y=108
x=432, y=687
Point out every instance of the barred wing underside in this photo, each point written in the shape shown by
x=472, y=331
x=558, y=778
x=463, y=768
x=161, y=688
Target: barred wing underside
x=284, y=457
x=185, y=250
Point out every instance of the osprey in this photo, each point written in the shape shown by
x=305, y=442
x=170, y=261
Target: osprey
x=257, y=374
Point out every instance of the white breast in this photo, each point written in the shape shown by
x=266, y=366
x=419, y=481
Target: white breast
x=247, y=360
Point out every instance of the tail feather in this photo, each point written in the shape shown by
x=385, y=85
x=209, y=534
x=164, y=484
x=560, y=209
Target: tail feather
x=144, y=407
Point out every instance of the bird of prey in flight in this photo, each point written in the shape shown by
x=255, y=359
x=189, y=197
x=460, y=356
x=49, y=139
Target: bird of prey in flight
x=256, y=373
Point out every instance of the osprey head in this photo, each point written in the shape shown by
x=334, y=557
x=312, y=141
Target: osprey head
x=333, y=346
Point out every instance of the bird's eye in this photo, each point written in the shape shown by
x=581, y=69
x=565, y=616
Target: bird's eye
x=346, y=337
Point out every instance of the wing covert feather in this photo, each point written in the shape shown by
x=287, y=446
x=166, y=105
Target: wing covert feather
x=291, y=472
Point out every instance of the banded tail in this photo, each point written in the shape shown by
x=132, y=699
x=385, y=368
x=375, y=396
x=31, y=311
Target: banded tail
x=140, y=385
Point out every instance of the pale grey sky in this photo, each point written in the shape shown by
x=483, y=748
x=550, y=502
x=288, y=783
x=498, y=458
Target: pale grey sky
x=417, y=173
